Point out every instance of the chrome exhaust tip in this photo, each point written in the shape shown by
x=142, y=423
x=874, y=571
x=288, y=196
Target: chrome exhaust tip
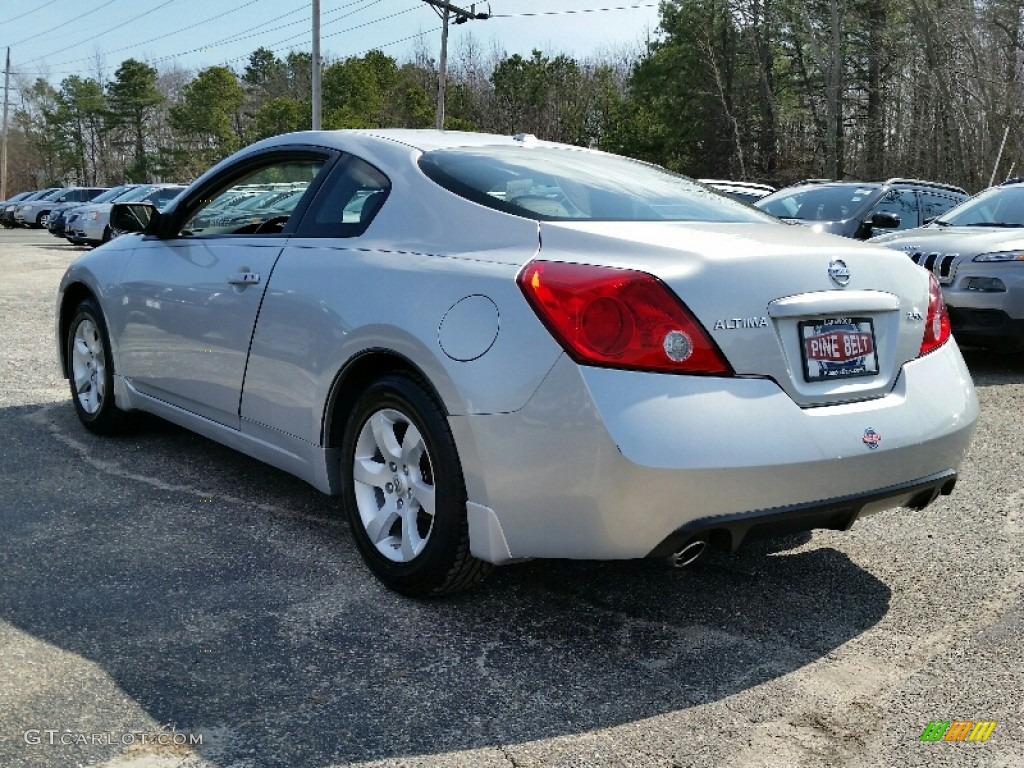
x=688, y=554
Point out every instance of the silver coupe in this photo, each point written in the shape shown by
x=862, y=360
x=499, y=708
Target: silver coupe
x=495, y=348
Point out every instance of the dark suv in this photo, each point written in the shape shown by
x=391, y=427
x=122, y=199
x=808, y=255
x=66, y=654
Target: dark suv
x=862, y=209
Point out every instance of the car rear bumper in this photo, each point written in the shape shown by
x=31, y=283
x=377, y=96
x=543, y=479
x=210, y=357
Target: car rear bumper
x=730, y=531
x=612, y=464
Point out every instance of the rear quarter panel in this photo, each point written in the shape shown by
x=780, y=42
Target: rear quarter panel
x=327, y=304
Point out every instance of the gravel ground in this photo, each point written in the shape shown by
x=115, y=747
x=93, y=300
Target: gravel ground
x=159, y=587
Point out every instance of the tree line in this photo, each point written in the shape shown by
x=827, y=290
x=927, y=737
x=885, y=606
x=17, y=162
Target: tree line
x=765, y=90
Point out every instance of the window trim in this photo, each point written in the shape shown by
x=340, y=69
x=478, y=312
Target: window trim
x=173, y=220
x=308, y=227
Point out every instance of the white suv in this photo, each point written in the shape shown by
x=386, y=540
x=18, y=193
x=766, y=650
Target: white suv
x=977, y=252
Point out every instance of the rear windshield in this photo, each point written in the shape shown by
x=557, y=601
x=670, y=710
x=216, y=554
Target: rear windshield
x=557, y=184
x=813, y=202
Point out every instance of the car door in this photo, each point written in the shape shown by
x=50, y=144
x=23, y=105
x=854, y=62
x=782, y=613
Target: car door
x=298, y=330
x=191, y=296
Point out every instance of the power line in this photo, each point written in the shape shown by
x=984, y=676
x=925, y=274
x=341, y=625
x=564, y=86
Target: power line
x=239, y=36
x=569, y=12
x=275, y=47
x=396, y=42
x=29, y=13
x=243, y=35
x=382, y=45
x=101, y=34
x=371, y=3
x=368, y=24
x=69, y=21
x=179, y=31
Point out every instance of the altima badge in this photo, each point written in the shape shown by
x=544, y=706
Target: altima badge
x=736, y=323
x=838, y=272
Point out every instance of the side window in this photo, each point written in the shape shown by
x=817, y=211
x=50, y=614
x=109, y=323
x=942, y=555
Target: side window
x=933, y=205
x=348, y=201
x=259, y=202
x=903, y=203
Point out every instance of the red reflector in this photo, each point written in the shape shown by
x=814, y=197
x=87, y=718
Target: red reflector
x=619, y=318
x=936, y=324
x=607, y=326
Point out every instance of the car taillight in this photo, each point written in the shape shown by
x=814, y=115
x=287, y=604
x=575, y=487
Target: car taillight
x=936, y=324
x=619, y=318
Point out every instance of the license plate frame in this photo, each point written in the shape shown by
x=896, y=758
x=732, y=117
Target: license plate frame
x=838, y=347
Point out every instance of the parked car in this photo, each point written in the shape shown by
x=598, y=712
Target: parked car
x=91, y=224
x=71, y=215
x=862, y=209
x=7, y=214
x=15, y=198
x=252, y=211
x=744, y=191
x=73, y=198
x=11, y=201
x=976, y=251
x=56, y=223
x=33, y=213
x=496, y=348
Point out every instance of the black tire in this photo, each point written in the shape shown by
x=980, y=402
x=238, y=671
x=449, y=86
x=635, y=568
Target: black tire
x=88, y=352
x=106, y=235
x=427, y=556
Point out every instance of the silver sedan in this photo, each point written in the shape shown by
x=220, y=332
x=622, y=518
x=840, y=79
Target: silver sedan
x=494, y=348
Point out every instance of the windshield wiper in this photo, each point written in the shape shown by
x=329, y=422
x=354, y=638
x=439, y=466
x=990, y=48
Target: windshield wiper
x=1000, y=224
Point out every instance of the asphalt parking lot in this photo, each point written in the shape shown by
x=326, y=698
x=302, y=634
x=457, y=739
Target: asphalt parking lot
x=159, y=590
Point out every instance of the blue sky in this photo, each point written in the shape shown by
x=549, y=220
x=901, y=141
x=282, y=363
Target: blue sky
x=57, y=38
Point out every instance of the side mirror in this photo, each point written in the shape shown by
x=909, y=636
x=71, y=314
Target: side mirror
x=884, y=220
x=133, y=217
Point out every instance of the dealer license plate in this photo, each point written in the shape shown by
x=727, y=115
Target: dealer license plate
x=838, y=348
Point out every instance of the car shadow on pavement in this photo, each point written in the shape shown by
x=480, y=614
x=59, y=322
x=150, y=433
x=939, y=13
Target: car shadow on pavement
x=60, y=247
x=225, y=598
x=989, y=366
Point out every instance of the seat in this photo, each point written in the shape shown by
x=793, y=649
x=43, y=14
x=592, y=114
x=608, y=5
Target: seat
x=831, y=211
x=371, y=205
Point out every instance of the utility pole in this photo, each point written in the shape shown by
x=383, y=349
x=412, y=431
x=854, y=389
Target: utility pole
x=3, y=148
x=317, y=104
x=442, y=69
x=445, y=10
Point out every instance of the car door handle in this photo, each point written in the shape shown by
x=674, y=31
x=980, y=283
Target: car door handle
x=244, y=278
